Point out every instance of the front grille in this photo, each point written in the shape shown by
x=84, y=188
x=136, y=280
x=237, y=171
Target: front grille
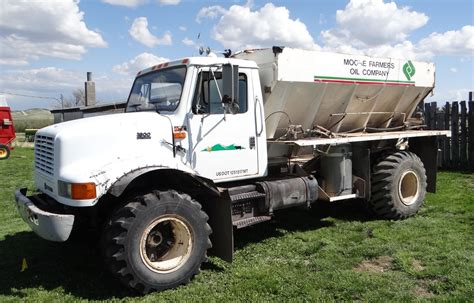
x=44, y=154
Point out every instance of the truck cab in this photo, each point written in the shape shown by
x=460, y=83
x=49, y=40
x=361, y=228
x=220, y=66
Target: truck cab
x=175, y=119
x=214, y=139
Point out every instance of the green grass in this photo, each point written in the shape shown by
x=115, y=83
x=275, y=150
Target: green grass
x=330, y=253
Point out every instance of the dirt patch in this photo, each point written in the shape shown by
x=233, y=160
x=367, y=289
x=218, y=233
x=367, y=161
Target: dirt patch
x=422, y=290
x=417, y=266
x=378, y=265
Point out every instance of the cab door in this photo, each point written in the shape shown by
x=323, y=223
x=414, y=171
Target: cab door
x=222, y=144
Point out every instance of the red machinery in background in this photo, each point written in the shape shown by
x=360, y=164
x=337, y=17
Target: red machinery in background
x=7, y=131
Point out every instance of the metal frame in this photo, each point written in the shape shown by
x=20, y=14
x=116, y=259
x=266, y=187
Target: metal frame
x=362, y=137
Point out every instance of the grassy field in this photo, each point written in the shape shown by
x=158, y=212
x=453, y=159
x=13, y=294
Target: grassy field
x=31, y=118
x=330, y=253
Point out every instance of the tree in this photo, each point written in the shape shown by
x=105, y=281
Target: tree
x=77, y=98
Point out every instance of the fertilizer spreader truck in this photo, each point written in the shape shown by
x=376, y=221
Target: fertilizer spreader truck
x=208, y=145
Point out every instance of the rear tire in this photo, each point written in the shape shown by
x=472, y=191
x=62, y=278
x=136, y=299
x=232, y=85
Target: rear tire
x=156, y=241
x=398, y=186
x=4, y=152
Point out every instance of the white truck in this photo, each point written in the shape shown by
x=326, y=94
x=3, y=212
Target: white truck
x=207, y=145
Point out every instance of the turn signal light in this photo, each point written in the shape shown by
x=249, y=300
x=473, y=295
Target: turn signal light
x=77, y=191
x=83, y=191
x=179, y=135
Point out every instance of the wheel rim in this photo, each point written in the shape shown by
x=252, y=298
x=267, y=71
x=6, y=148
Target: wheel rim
x=3, y=153
x=166, y=244
x=408, y=188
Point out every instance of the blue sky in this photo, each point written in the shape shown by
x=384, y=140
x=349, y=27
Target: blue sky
x=46, y=47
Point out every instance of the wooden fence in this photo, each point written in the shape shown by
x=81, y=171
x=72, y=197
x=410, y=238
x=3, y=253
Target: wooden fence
x=457, y=152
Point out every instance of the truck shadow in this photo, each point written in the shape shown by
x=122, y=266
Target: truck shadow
x=74, y=266
x=301, y=219
x=77, y=267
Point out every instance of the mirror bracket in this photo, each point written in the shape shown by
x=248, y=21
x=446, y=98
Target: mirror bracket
x=230, y=91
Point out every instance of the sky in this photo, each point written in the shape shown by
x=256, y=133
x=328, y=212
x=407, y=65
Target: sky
x=47, y=46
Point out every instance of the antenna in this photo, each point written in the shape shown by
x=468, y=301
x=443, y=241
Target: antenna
x=201, y=50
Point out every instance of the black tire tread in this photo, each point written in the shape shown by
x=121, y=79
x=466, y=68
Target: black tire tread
x=116, y=229
x=381, y=203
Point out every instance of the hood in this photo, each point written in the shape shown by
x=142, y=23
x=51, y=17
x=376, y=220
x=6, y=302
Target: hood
x=109, y=143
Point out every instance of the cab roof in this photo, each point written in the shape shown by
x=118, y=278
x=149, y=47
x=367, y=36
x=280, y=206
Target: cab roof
x=200, y=61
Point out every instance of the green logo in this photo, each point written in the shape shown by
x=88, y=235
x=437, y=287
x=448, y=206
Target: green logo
x=409, y=70
x=220, y=147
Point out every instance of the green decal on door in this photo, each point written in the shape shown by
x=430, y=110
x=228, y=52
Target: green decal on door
x=220, y=147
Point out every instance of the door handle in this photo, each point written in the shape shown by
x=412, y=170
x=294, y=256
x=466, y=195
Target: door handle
x=258, y=132
x=252, y=142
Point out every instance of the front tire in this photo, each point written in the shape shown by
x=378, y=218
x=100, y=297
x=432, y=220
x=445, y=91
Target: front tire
x=156, y=241
x=398, y=186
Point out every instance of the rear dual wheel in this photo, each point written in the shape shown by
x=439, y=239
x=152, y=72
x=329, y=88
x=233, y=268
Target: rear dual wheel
x=156, y=241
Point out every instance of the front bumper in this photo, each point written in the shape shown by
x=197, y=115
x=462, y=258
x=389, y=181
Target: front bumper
x=48, y=225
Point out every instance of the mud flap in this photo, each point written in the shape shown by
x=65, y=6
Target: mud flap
x=427, y=149
x=219, y=211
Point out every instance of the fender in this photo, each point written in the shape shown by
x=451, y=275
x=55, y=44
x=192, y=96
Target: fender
x=201, y=184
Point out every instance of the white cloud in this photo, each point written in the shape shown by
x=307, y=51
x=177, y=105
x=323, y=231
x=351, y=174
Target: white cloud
x=453, y=70
x=142, y=61
x=183, y=28
x=240, y=27
x=127, y=3
x=139, y=31
x=402, y=50
x=454, y=42
x=374, y=22
x=135, y=3
x=169, y=2
x=42, y=79
x=33, y=29
x=210, y=12
x=188, y=42
x=448, y=95
x=376, y=28
x=52, y=81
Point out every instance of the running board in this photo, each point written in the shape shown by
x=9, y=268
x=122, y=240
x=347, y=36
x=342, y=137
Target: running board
x=251, y=221
x=246, y=196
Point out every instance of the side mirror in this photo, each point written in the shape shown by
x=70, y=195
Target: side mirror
x=230, y=87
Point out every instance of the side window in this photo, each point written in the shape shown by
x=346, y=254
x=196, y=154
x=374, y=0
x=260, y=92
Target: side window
x=206, y=98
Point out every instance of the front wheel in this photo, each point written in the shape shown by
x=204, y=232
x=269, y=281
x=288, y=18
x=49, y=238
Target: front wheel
x=398, y=186
x=156, y=241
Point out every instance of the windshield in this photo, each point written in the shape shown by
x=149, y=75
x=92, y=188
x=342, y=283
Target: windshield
x=160, y=90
